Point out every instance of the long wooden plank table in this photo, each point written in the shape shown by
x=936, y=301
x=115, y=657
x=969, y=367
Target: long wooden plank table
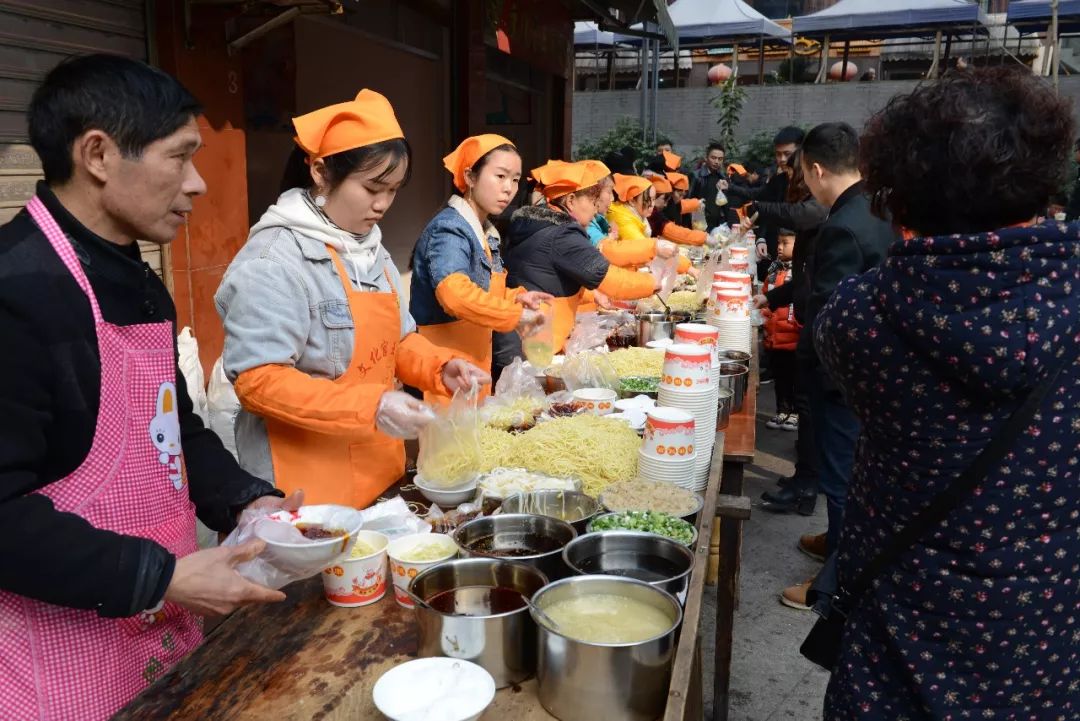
x=305, y=659
x=725, y=548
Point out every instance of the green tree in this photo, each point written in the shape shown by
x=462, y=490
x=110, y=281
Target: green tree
x=729, y=103
x=626, y=133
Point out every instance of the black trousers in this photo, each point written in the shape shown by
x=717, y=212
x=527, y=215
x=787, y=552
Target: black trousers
x=806, y=452
x=785, y=372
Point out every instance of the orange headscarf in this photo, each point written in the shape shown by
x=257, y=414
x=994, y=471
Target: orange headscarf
x=679, y=181
x=630, y=186
x=671, y=160
x=560, y=178
x=346, y=126
x=736, y=168
x=466, y=154
x=662, y=184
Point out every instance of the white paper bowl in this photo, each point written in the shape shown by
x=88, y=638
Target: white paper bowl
x=447, y=684
x=287, y=550
x=447, y=498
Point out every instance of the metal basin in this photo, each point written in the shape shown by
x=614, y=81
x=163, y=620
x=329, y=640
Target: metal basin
x=735, y=377
x=654, y=326
x=582, y=681
x=504, y=644
x=535, y=540
x=660, y=562
x=571, y=506
x=725, y=401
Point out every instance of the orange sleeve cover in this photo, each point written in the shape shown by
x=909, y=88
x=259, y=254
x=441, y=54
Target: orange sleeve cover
x=316, y=404
x=420, y=363
x=683, y=236
x=464, y=299
x=629, y=252
x=623, y=284
x=689, y=205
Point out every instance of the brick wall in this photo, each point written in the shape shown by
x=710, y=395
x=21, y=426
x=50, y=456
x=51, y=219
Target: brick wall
x=687, y=117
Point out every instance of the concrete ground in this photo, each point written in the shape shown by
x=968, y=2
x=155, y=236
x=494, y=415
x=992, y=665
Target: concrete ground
x=770, y=680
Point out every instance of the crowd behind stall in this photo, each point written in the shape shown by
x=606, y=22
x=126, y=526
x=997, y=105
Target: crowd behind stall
x=914, y=313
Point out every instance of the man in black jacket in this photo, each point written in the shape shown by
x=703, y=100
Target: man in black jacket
x=851, y=241
x=116, y=139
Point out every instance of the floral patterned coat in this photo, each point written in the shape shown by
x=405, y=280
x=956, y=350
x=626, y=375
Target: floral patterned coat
x=934, y=349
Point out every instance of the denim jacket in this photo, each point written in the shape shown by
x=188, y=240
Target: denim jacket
x=449, y=245
x=282, y=302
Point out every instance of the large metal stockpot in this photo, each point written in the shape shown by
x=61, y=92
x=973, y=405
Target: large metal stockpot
x=574, y=507
x=581, y=681
x=514, y=532
x=504, y=644
x=659, y=561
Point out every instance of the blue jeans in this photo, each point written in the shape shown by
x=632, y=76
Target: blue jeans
x=836, y=430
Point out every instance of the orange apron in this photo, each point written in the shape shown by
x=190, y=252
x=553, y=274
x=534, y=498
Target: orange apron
x=349, y=470
x=465, y=336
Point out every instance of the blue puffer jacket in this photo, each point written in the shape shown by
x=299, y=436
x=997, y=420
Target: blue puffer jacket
x=934, y=349
x=448, y=245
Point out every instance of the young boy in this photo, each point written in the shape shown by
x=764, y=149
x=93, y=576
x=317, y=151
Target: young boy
x=781, y=337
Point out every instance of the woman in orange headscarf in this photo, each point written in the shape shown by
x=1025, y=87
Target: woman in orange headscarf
x=316, y=336
x=548, y=250
x=459, y=292
x=635, y=245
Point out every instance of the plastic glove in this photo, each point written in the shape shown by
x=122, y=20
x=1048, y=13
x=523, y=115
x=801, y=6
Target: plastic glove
x=530, y=319
x=665, y=249
x=532, y=299
x=460, y=375
x=401, y=416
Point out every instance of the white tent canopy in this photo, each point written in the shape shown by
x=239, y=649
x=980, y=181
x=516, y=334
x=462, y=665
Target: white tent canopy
x=589, y=34
x=703, y=22
x=871, y=19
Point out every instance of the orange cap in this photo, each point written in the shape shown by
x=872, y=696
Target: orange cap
x=735, y=167
x=662, y=184
x=630, y=186
x=672, y=161
x=560, y=178
x=468, y=152
x=346, y=126
x=679, y=181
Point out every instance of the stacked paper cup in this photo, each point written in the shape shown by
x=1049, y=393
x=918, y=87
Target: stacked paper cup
x=730, y=315
x=705, y=415
x=698, y=398
x=668, y=452
x=745, y=282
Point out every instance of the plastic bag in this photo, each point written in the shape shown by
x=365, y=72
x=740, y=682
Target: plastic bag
x=705, y=278
x=279, y=565
x=518, y=399
x=191, y=368
x=222, y=407
x=591, y=331
x=538, y=343
x=393, y=518
x=589, y=370
x=450, y=452
x=666, y=270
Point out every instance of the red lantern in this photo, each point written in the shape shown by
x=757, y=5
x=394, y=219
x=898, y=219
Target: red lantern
x=719, y=74
x=850, y=71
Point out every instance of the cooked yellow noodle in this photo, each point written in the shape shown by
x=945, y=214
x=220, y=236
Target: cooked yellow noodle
x=637, y=362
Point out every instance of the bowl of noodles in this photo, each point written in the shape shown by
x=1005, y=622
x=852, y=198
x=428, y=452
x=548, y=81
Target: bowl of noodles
x=446, y=497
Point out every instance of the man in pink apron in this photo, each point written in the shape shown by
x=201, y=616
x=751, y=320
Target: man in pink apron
x=103, y=464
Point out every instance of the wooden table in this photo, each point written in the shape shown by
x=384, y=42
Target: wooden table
x=725, y=547
x=305, y=659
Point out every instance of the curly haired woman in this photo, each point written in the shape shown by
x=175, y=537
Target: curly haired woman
x=935, y=349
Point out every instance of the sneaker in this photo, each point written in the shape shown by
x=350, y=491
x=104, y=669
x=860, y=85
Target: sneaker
x=813, y=546
x=776, y=422
x=791, y=422
x=795, y=596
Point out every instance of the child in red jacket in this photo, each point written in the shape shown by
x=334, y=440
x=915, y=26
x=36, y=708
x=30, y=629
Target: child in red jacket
x=781, y=337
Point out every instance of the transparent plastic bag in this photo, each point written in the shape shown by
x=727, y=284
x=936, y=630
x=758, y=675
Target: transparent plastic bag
x=518, y=399
x=591, y=331
x=589, y=370
x=666, y=270
x=450, y=445
x=538, y=343
x=705, y=279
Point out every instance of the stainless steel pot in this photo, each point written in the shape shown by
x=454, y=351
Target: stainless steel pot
x=725, y=401
x=571, y=506
x=509, y=535
x=735, y=376
x=660, y=562
x=654, y=326
x=503, y=643
x=581, y=681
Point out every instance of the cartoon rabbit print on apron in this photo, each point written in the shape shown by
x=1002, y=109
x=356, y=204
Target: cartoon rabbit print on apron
x=165, y=433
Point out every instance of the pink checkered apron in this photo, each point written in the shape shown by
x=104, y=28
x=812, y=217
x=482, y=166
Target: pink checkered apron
x=61, y=663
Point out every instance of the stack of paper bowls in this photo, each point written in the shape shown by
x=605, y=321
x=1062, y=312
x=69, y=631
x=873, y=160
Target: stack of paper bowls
x=668, y=451
x=693, y=362
x=704, y=335
x=730, y=315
